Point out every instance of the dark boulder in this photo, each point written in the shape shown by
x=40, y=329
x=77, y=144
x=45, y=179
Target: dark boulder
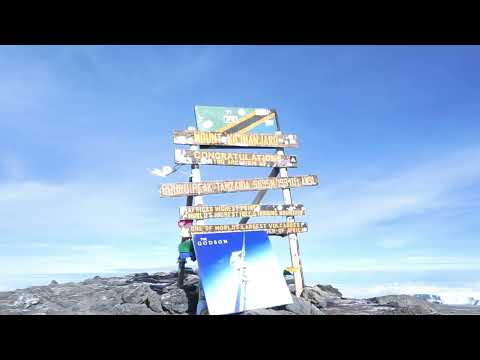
x=315, y=296
x=302, y=307
x=299, y=307
x=143, y=294
x=266, y=312
x=158, y=294
x=175, y=301
x=330, y=289
x=133, y=309
x=405, y=304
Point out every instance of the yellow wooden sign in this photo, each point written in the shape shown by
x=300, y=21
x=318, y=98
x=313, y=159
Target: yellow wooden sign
x=282, y=229
x=226, y=186
x=232, y=211
x=190, y=157
x=192, y=137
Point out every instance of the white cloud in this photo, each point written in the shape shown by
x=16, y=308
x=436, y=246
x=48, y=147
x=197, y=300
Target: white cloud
x=102, y=209
x=393, y=243
x=449, y=295
x=354, y=205
x=25, y=87
x=82, y=228
x=11, y=166
x=89, y=248
x=101, y=261
x=163, y=249
x=15, y=245
x=392, y=264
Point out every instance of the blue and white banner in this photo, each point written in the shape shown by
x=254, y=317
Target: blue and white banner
x=239, y=272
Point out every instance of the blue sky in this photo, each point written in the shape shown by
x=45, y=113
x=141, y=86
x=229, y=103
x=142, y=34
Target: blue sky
x=391, y=131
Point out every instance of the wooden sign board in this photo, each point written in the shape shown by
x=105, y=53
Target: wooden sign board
x=192, y=137
x=227, y=186
x=190, y=157
x=282, y=229
x=235, y=119
x=232, y=211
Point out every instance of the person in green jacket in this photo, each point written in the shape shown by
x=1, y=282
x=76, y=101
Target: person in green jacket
x=187, y=250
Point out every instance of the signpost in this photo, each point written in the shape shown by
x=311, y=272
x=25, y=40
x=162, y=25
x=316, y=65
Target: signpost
x=189, y=157
x=235, y=127
x=272, y=141
x=281, y=229
x=220, y=187
x=231, y=211
x=235, y=119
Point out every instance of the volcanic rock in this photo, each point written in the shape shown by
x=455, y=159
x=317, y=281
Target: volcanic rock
x=158, y=294
x=406, y=304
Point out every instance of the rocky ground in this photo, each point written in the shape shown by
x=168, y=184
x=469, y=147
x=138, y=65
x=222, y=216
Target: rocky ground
x=158, y=294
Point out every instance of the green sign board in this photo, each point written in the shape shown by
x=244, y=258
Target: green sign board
x=235, y=119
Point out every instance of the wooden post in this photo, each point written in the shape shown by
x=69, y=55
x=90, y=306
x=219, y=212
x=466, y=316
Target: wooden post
x=191, y=201
x=260, y=195
x=197, y=200
x=293, y=239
